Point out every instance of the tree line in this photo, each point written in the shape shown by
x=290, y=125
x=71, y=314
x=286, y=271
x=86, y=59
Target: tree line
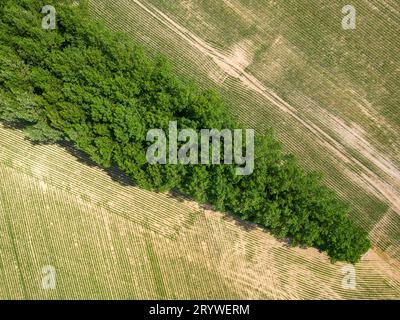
x=97, y=89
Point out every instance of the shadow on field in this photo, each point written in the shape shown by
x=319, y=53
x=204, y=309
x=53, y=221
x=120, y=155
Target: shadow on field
x=175, y=194
x=115, y=174
x=244, y=225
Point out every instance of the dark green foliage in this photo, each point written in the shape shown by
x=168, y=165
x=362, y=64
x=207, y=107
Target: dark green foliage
x=85, y=84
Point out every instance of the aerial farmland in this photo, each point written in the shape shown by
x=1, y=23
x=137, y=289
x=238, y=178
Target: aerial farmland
x=108, y=228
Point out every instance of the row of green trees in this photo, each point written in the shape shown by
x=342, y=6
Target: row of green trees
x=93, y=87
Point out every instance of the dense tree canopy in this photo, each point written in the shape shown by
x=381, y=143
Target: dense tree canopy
x=95, y=88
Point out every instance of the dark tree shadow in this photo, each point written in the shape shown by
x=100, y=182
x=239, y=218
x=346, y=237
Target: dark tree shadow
x=17, y=125
x=242, y=224
x=181, y=197
x=114, y=172
x=286, y=242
